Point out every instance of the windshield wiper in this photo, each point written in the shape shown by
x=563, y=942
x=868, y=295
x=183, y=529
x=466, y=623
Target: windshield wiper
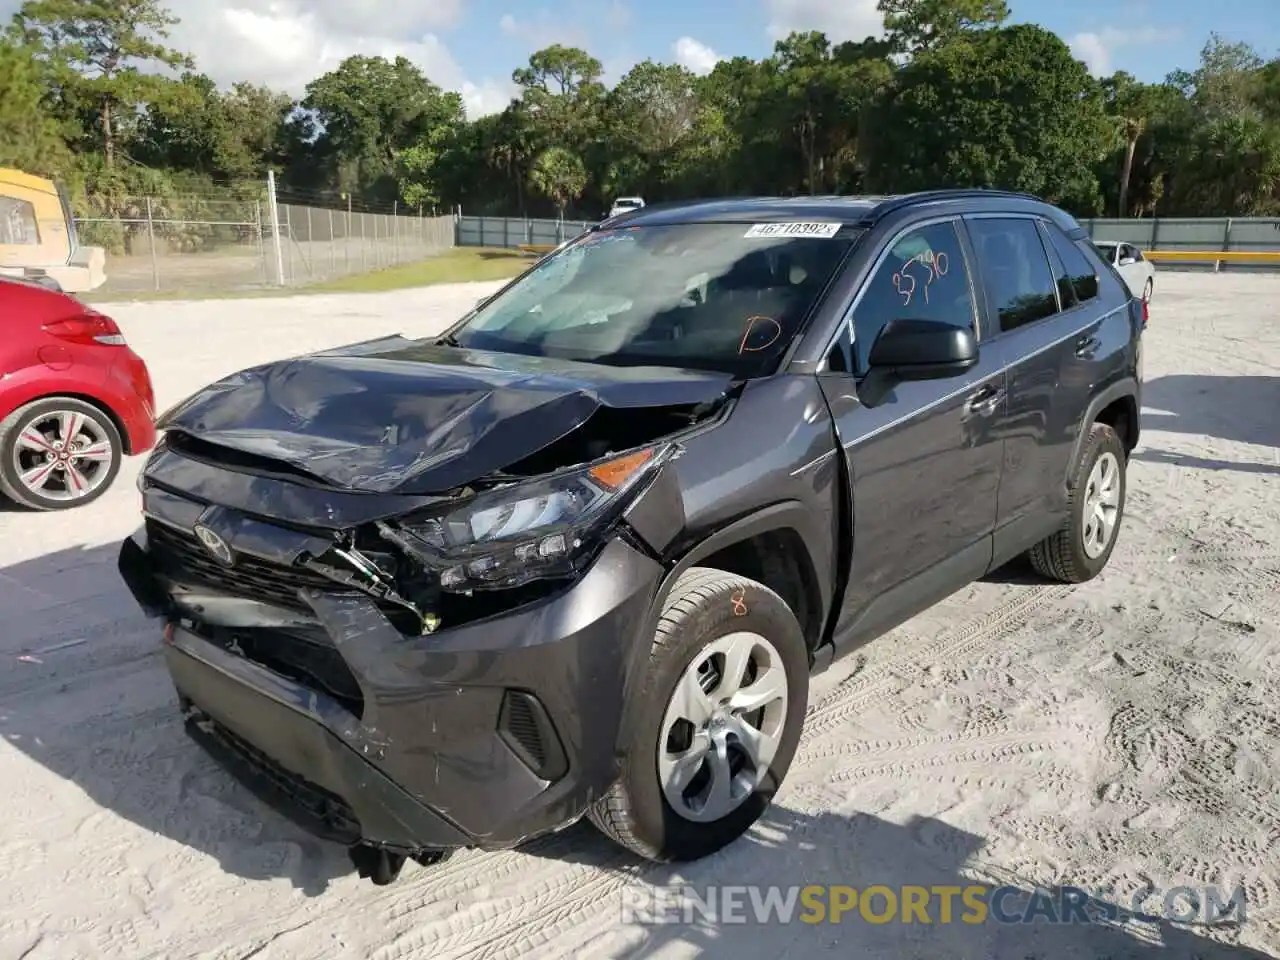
x=449, y=340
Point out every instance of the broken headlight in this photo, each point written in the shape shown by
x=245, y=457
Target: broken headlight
x=526, y=531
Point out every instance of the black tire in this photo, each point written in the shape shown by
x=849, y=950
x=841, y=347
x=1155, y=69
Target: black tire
x=1062, y=556
x=1148, y=290
x=13, y=426
x=703, y=604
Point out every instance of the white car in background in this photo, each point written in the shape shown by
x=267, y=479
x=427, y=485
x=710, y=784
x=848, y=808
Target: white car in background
x=625, y=205
x=1129, y=262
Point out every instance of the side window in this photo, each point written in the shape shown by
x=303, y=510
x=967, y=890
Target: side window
x=1015, y=270
x=1084, y=278
x=923, y=277
x=18, y=223
x=1061, y=279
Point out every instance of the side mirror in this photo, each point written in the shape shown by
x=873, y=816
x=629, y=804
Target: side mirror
x=1127, y=261
x=923, y=350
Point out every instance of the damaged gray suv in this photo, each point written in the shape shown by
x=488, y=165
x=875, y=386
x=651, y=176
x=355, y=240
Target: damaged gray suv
x=581, y=554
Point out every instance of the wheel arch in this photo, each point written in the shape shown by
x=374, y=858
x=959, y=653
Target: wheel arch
x=87, y=398
x=1117, y=406
x=771, y=545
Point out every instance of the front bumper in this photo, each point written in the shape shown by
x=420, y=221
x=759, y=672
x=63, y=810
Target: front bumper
x=482, y=735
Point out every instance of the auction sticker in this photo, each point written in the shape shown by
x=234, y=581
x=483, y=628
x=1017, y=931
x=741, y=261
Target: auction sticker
x=827, y=230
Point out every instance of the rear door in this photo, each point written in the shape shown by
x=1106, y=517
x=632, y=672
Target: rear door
x=1046, y=336
x=923, y=462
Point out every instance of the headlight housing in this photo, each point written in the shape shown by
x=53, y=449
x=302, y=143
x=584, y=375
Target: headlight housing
x=526, y=531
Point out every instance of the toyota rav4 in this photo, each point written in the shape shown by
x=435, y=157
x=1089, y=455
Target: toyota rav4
x=582, y=553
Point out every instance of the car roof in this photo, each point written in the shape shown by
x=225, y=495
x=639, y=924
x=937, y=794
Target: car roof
x=859, y=210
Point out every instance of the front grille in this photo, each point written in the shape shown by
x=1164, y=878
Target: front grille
x=180, y=555
x=310, y=806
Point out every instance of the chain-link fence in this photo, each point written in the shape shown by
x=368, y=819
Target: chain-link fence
x=214, y=245
x=317, y=243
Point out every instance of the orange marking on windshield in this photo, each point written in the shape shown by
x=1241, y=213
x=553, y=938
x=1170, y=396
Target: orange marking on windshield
x=751, y=328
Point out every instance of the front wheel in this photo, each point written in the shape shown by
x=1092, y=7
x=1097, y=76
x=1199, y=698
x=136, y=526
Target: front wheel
x=716, y=723
x=1148, y=290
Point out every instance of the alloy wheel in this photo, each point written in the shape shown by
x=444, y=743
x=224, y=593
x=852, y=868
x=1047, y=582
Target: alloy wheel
x=722, y=726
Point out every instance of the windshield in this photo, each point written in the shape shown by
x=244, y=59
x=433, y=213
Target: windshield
x=1107, y=250
x=713, y=296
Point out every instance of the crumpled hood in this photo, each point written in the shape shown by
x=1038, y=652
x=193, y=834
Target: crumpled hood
x=412, y=416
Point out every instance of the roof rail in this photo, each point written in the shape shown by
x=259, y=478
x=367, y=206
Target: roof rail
x=958, y=193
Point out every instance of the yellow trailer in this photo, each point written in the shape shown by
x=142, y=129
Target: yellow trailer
x=38, y=240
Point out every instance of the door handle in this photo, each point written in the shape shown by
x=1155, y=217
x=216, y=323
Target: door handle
x=984, y=400
x=1087, y=346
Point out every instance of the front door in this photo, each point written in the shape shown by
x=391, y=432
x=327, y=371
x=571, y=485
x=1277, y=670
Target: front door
x=923, y=461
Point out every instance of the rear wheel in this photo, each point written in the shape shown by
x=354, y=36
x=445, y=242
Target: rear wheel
x=1079, y=551
x=716, y=722
x=58, y=453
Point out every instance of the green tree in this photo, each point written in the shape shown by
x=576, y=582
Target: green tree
x=99, y=52
x=818, y=96
x=1134, y=106
x=30, y=137
x=229, y=135
x=913, y=26
x=562, y=95
x=370, y=110
x=1008, y=108
x=650, y=115
x=559, y=175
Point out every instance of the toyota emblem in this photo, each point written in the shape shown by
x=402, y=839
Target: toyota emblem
x=215, y=545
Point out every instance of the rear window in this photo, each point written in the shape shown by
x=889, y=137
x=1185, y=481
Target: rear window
x=18, y=223
x=716, y=296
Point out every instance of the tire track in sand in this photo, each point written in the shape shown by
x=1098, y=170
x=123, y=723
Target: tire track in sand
x=880, y=682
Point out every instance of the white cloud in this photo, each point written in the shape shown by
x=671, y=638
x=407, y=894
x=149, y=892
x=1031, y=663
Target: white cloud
x=695, y=55
x=840, y=20
x=287, y=43
x=544, y=30
x=1098, y=49
x=618, y=16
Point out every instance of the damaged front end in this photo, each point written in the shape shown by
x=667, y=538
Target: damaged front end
x=413, y=674
x=472, y=553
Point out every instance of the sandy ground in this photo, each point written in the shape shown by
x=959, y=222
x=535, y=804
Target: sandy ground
x=1125, y=732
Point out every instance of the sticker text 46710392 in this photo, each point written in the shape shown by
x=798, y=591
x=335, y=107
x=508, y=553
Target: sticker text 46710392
x=825, y=230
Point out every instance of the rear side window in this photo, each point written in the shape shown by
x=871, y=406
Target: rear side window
x=1015, y=271
x=1066, y=292
x=18, y=223
x=1084, y=278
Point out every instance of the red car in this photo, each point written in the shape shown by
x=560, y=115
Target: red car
x=74, y=399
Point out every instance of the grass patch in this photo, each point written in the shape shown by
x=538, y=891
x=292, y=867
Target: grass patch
x=460, y=265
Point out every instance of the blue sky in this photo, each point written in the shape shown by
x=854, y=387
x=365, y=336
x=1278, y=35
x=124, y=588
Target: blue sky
x=474, y=45
x=1147, y=38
